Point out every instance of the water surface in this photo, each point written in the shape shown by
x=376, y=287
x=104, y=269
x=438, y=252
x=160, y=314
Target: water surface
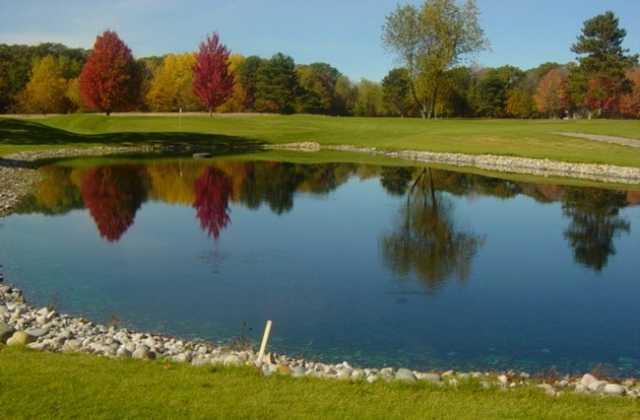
x=375, y=265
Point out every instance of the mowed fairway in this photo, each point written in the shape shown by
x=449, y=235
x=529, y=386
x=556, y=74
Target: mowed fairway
x=527, y=138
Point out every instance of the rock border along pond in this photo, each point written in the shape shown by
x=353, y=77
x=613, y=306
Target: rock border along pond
x=45, y=329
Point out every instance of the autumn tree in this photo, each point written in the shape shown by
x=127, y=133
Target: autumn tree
x=552, y=96
x=520, y=103
x=396, y=91
x=346, y=96
x=603, y=63
x=430, y=40
x=171, y=85
x=630, y=103
x=238, y=99
x=45, y=92
x=109, y=79
x=212, y=80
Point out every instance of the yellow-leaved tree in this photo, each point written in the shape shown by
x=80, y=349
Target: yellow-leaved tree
x=171, y=85
x=46, y=91
x=236, y=103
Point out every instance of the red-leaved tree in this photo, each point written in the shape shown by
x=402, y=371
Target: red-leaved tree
x=552, y=95
x=109, y=81
x=212, y=80
x=213, y=190
x=630, y=103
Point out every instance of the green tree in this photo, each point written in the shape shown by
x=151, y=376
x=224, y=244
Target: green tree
x=247, y=75
x=317, y=93
x=369, y=102
x=276, y=85
x=396, y=91
x=430, y=40
x=603, y=61
x=491, y=91
x=346, y=96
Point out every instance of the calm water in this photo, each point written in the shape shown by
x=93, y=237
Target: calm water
x=374, y=265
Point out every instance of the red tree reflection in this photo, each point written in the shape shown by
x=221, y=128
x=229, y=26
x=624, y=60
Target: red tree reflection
x=212, y=191
x=113, y=195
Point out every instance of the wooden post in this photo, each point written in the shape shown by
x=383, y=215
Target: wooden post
x=265, y=340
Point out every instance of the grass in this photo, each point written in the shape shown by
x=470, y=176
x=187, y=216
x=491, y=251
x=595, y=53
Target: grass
x=47, y=385
x=527, y=138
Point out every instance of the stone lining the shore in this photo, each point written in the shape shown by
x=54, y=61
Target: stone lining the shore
x=511, y=164
x=18, y=174
x=45, y=329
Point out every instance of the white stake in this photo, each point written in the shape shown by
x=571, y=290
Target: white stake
x=265, y=340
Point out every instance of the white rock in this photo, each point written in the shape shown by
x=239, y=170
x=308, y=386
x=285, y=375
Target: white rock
x=614, y=389
x=588, y=379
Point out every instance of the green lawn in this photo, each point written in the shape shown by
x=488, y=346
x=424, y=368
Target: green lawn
x=46, y=385
x=529, y=138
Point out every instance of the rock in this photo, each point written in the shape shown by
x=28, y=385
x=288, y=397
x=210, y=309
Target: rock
x=587, y=380
x=232, y=360
x=431, y=377
x=19, y=338
x=181, y=358
x=503, y=379
x=357, y=374
x=142, y=353
x=581, y=389
x=405, y=375
x=548, y=389
x=284, y=370
x=269, y=369
x=372, y=378
x=298, y=372
x=36, y=332
x=5, y=332
x=613, y=389
x=71, y=346
x=448, y=373
x=123, y=353
x=37, y=346
x=596, y=386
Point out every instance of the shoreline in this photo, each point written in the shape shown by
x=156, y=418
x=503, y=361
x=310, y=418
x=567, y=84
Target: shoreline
x=44, y=329
x=18, y=175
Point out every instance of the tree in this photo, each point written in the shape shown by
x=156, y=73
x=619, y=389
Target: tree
x=396, y=91
x=603, y=62
x=430, y=40
x=238, y=99
x=171, y=85
x=317, y=88
x=520, y=103
x=276, y=85
x=491, y=92
x=552, y=96
x=109, y=80
x=16, y=62
x=247, y=75
x=212, y=80
x=369, y=101
x=346, y=96
x=45, y=92
x=630, y=103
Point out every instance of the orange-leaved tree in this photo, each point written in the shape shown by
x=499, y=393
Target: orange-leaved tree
x=552, y=96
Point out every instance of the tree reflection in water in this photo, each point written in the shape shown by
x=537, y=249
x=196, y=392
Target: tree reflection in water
x=212, y=192
x=426, y=239
x=113, y=195
x=595, y=222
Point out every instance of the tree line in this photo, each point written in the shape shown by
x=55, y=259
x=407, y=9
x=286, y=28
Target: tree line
x=432, y=43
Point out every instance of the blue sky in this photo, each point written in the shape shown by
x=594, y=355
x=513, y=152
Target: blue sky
x=344, y=33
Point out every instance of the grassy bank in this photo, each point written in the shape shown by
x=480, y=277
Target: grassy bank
x=526, y=138
x=46, y=385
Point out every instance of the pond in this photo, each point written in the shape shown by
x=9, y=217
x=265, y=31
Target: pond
x=402, y=266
